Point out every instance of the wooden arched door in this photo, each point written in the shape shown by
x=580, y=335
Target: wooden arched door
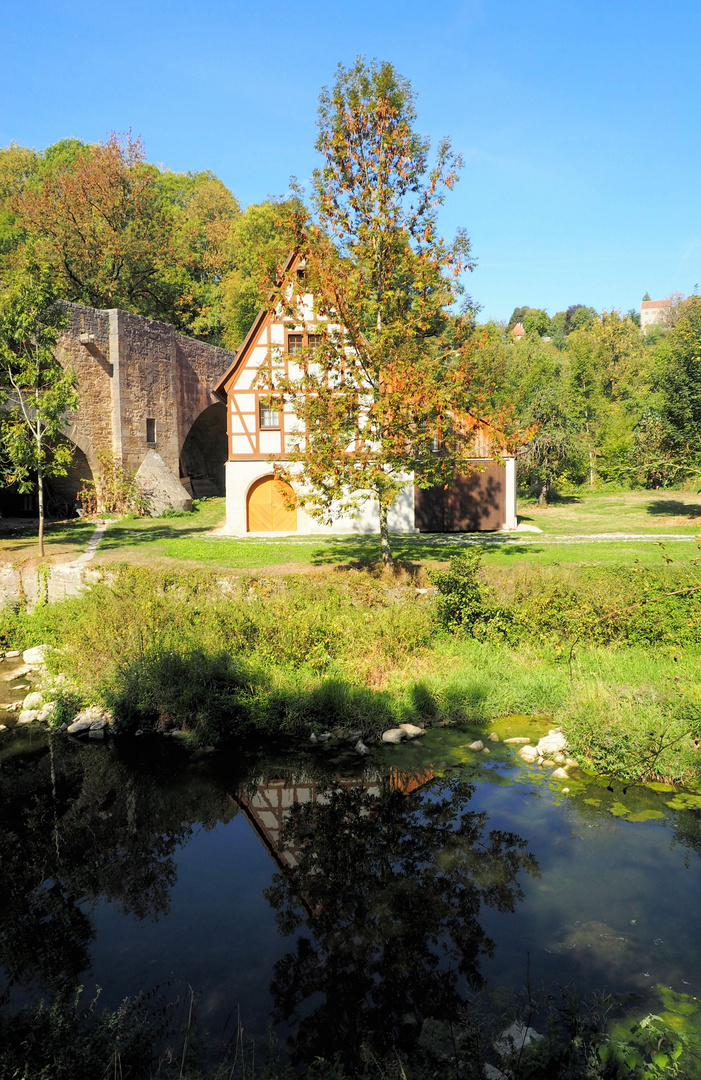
x=266, y=508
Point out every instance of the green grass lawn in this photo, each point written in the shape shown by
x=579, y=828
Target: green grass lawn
x=189, y=540
x=594, y=512
x=63, y=540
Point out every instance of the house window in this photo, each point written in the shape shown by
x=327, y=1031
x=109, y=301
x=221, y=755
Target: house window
x=269, y=417
x=150, y=430
x=297, y=342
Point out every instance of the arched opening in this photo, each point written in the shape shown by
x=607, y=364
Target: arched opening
x=61, y=492
x=271, y=506
x=205, y=451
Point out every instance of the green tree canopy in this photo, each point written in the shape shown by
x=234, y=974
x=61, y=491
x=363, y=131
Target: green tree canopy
x=39, y=393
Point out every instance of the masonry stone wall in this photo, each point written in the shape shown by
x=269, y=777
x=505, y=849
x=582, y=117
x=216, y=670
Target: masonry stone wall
x=141, y=385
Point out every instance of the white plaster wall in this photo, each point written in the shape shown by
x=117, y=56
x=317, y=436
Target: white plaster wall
x=241, y=474
x=510, y=520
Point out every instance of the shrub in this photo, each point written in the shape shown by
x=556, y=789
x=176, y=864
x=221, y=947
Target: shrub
x=463, y=604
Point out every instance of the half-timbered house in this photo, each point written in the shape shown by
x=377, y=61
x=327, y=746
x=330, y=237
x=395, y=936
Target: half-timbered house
x=262, y=426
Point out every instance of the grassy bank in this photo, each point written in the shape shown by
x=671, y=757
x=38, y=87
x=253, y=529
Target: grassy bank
x=612, y=655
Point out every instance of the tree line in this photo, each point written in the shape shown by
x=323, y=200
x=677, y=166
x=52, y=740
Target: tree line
x=607, y=402
x=117, y=231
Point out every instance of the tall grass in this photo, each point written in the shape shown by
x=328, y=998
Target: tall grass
x=612, y=657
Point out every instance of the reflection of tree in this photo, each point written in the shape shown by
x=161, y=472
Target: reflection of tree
x=78, y=826
x=392, y=887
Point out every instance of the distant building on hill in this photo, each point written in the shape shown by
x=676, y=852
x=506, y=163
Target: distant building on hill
x=654, y=311
x=518, y=332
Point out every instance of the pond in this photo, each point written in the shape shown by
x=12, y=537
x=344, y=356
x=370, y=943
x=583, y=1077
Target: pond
x=340, y=899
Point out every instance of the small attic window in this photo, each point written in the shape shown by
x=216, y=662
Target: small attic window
x=301, y=273
x=150, y=430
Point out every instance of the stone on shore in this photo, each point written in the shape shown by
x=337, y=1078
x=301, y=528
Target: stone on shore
x=394, y=735
x=552, y=743
x=520, y=739
x=91, y=719
x=529, y=754
x=79, y=727
x=33, y=700
x=412, y=731
x=28, y=716
x=35, y=655
x=477, y=745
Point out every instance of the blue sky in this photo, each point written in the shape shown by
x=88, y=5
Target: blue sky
x=578, y=121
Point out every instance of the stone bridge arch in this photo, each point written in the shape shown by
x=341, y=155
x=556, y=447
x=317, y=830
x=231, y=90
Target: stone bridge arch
x=204, y=452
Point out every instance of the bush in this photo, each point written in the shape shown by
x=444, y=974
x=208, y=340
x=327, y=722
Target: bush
x=462, y=603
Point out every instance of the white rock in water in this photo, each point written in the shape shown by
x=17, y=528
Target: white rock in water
x=560, y=774
x=520, y=739
x=11, y=654
x=477, y=745
x=394, y=735
x=412, y=731
x=28, y=716
x=361, y=748
x=33, y=700
x=529, y=754
x=514, y=1038
x=3, y=727
x=553, y=743
x=35, y=655
x=494, y=737
x=18, y=673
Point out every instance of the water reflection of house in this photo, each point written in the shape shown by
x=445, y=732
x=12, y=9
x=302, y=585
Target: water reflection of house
x=268, y=806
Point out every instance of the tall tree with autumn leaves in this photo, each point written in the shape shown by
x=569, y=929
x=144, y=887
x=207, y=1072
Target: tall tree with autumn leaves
x=391, y=387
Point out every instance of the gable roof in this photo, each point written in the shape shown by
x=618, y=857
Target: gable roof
x=258, y=323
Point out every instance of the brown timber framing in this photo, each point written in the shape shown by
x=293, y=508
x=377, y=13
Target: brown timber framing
x=227, y=387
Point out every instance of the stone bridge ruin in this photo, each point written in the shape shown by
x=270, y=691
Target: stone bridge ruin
x=146, y=396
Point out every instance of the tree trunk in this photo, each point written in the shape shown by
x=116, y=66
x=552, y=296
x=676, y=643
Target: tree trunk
x=387, y=560
x=543, y=497
x=40, y=492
